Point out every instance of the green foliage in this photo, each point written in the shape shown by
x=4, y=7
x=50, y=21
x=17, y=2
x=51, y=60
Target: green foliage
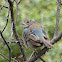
x=32, y=9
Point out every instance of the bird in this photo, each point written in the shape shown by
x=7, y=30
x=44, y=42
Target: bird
x=34, y=35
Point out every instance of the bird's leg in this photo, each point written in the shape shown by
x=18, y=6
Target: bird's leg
x=35, y=53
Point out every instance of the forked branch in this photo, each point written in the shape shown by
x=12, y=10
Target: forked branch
x=14, y=29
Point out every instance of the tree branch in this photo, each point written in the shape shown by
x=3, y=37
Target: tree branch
x=7, y=46
x=14, y=29
x=5, y=26
x=19, y=1
x=57, y=17
x=43, y=51
x=4, y=6
x=42, y=59
x=16, y=11
x=7, y=20
x=4, y=56
x=57, y=38
x=9, y=42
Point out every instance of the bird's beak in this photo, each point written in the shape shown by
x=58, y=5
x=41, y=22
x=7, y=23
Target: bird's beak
x=22, y=23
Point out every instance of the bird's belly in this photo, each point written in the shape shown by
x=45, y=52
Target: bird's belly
x=33, y=44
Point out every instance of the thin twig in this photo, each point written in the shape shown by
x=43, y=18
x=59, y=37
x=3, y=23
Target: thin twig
x=7, y=46
x=10, y=41
x=4, y=39
x=19, y=1
x=4, y=56
x=57, y=38
x=57, y=17
x=5, y=26
x=17, y=38
x=14, y=59
x=16, y=11
x=11, y=34
x=42, y=59
x=35, y=53
x=7, y=20
x=34, y=58
x=14, y=29
x=4, y=6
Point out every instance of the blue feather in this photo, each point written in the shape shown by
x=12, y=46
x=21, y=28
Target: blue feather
x=38, y=31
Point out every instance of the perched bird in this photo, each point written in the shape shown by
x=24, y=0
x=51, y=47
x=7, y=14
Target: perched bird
x=34, y=34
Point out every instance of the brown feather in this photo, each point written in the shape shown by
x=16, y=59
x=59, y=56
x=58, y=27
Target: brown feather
x=35, y=25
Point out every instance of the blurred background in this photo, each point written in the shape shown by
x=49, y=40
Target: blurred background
x=44, y=12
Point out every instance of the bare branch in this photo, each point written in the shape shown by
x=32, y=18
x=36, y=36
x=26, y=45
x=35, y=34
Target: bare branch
x=34, y=58
x=7, y=20
x=10, y=41
x=4, y=6
x=7, y=46
x=16, y=11
x=57, y=17
x=19, y=1
x=57, y=38
x=3, y=37
x=4, y=57
x=17, y=38
x=43, y=51
x=42, y=59
x=14, y=29
x=14, y=59
x=5, y=26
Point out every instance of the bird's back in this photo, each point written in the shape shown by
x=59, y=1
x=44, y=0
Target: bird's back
x=35, y=36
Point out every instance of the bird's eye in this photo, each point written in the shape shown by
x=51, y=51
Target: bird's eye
x=27, y=21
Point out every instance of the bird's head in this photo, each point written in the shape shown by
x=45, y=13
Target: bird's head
x=24, y=24
x=28, y=22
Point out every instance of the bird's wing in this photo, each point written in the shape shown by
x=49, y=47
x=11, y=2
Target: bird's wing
x=35, y=35
x=28, y=35
x=45, y=35
x=39, y=32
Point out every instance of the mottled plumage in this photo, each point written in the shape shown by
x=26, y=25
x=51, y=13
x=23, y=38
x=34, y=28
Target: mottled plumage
x=34, y=35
